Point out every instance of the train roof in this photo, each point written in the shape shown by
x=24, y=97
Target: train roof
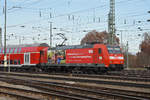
x=71, y=47
x=78, y=46
x=116, y=46
x=28, y=45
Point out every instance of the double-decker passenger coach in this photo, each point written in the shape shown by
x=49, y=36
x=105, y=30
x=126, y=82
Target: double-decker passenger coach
x=24, y=55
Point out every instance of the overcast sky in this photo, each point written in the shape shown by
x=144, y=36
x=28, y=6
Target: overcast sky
x=29, y=20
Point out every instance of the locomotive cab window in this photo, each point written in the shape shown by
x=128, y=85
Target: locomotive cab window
x=114, y=49
x=117, y=50
x=99, y=51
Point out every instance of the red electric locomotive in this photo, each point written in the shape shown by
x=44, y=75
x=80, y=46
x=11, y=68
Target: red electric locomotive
x=86, y=58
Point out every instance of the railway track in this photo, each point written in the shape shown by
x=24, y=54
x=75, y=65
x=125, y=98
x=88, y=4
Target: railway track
x=99, y=79
x=127, y=78
x=15, y=96
x=92, y=94
x=128, y=75
x=24, y=94
x=104, y=93
x=131, y=73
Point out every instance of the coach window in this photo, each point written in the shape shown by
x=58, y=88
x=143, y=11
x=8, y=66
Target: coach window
x=99, y=51
x=15, y=50
x=11, y=61
x=19, y=50
x=11, y=50
x=7, y=50
x=3, y=50
x=15, y=62
x=0, y=50
x=19, y=62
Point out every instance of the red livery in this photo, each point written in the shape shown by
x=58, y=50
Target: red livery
x=84, y=58
x=24, y=54
x=96, y=55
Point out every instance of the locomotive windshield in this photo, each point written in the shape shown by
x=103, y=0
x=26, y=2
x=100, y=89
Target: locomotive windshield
x=114, y=49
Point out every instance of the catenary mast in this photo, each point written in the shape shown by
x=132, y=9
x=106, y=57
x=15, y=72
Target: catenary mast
x=5, y=56
x=111, y=22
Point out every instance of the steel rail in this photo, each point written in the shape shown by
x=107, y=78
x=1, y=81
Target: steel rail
x=19, y=97
x=53, y=92
x=106, y=93
x=50, y=95
x=136, y=79
x=75, y=79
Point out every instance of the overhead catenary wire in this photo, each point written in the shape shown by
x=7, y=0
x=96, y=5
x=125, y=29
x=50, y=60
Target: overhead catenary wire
x=78, y=13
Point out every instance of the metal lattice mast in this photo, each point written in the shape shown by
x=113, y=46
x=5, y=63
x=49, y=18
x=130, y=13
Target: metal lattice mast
x=111, y=22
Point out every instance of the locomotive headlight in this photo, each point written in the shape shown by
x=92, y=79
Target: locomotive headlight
x=111, y=57
x=100, y=57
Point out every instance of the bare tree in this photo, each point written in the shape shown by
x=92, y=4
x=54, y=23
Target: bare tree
x=143, y=57
x=145, y=45
x=94, y=36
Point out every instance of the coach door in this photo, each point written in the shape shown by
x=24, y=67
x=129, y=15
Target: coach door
x=26, y=58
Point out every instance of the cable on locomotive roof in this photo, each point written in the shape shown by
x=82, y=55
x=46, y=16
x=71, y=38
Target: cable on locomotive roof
x=72, y=47
x=94, y=42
